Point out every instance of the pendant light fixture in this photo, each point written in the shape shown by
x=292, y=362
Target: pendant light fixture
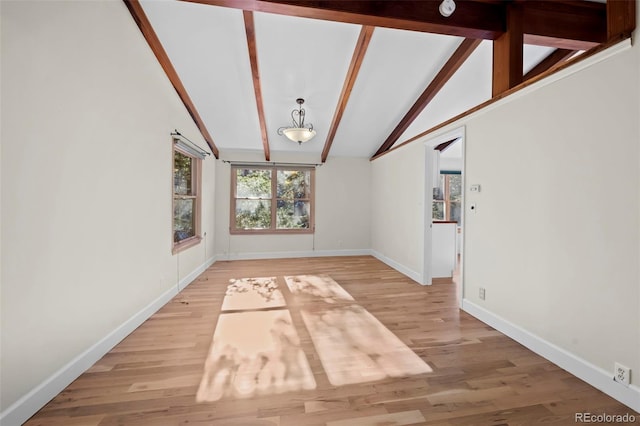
x=298, y=131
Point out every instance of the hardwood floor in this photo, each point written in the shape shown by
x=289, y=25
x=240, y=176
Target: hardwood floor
x=478, y=377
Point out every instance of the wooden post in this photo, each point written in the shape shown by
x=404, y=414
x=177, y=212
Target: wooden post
x=507, y=53
x=621, y=18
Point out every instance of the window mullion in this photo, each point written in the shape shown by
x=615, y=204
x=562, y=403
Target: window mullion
x=274, y=197
x=234, y=199
x=447, y=201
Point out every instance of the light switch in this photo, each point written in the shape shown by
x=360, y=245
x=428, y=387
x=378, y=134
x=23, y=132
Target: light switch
x=474, y=188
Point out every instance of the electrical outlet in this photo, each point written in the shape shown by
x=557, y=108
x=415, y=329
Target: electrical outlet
x=481, y=294
x=622, y=374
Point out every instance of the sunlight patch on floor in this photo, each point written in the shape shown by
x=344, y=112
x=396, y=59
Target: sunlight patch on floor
x=312, y=288
x=254, y=353
x=256, y=349
x=354, y=347
x=252, y=293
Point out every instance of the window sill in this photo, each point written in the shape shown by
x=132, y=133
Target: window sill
x=185, y=244
x=271, y=231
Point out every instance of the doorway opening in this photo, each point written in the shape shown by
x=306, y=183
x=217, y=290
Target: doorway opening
x=444, y=209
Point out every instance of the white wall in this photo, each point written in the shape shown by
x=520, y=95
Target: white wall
x=86, y=184
x=397, y=208
x=451, y=158
x=342, y=209
x=555, y=239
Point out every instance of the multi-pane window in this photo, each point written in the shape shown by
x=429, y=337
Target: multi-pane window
x=447, y=198
x=186, y=200
x=271, y=200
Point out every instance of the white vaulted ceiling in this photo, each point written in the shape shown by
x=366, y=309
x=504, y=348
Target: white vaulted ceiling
x=398, y=66
x=310, y=58
x=301, y=58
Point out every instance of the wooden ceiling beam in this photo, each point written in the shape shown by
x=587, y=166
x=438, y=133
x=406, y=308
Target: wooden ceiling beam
x=508, y=53
x=445, y=145
x=456, y=60
x=568, y=24
x=356, y=60
x=600, y=48
x=152, y=39
x=482, y=20
x=621, y=18
x=559, y=43
x=255, y=72
x=556, y=57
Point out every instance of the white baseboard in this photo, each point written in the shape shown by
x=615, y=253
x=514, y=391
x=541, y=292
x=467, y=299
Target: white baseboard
x=595, y=376
x=398, y=267
x=21, y=410
x=294, y=254
x=324, y=253
x=195, y=273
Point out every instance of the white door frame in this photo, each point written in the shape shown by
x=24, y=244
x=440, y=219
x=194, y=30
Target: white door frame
x=427, y=266
x=429, y=144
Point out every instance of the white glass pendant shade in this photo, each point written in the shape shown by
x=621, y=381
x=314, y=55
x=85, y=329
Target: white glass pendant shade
x=298, y=131
x=299, y=134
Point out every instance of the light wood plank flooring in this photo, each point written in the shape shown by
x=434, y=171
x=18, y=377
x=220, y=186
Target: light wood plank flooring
x=479, y=377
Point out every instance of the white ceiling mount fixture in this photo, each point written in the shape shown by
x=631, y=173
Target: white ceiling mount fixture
x=298, y=131
x=447, y=7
